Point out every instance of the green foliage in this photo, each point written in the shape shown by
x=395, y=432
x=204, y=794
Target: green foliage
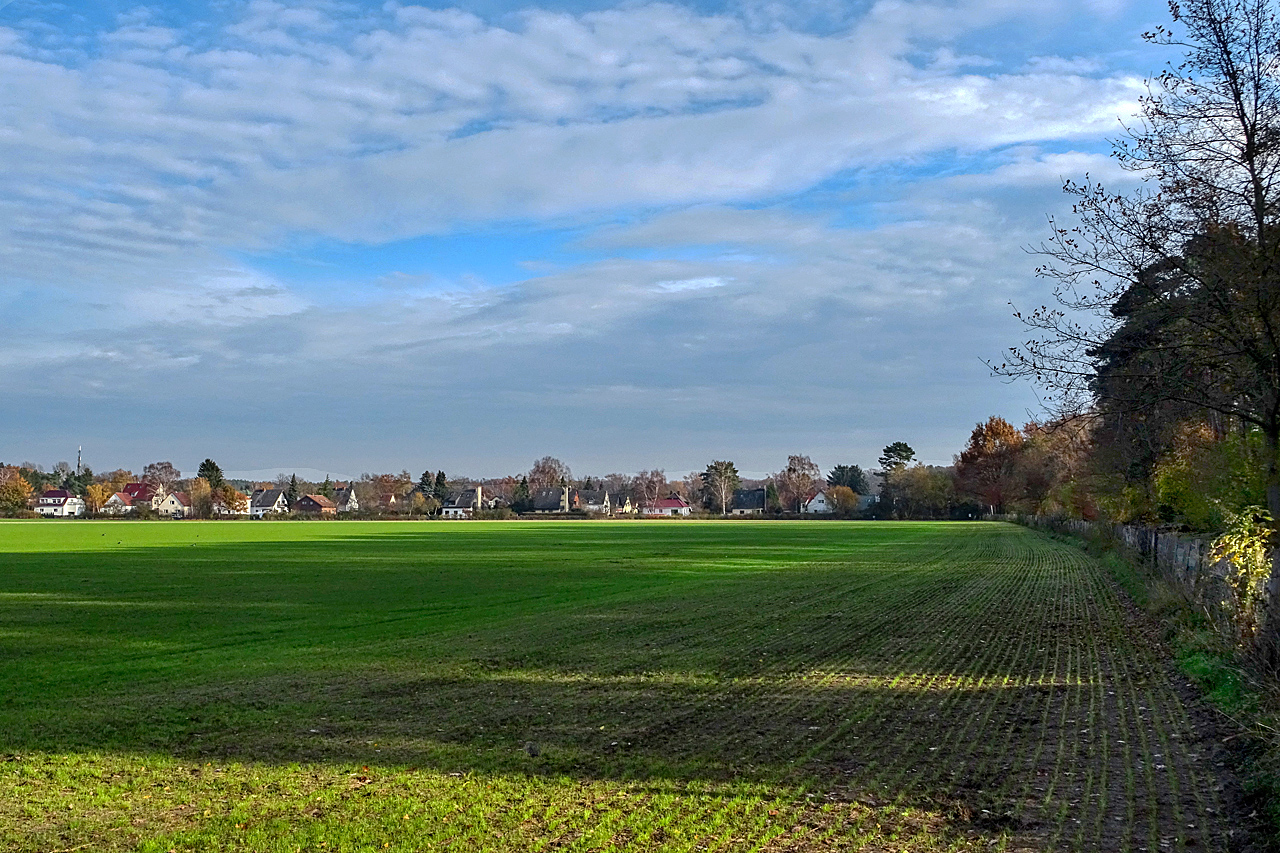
x=1246, y=544
x=1202, y=481
x=326, y=488
x=441, y=487
x=851, y=477
x=211, y=473
x=718, y=483
x=899, y=454
x=521, y=499
x=291, y=494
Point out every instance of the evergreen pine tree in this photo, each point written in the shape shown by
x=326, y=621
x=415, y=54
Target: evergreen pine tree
x=426, y=484
x=292, y=494
x=441, y=488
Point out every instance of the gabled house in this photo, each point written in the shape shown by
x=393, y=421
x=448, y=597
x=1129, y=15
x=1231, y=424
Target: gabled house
x=551, y=500
x=589, y=500
x=176, y=505
x=344, y=498
x=315, y=505
x=463, y=504
x=819, y=504
x=59, y=503
x=268, y=502
x=598, y=501
x=119, y=504
x=669, y=506
x=144, y=493
x=747, y=502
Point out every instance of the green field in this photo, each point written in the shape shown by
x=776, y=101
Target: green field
x=690, y=687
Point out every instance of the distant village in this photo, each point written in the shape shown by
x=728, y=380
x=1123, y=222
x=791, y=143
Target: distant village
x=1001, y=469
x=547, y=489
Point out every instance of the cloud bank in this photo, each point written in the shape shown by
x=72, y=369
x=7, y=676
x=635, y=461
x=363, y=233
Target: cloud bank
x=761, y=234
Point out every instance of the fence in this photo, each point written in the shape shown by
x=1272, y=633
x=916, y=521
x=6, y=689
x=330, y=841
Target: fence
x=1186, y=564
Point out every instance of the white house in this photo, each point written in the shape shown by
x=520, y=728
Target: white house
x=748, y=502
x=463, y=504
x=674, y=505
x=268, y=502
x=176, y=505
x=59, y=503
x=819, y=504
x=344, y=498
x=119, y=504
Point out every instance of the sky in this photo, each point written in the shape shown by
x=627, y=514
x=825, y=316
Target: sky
x=363, y=236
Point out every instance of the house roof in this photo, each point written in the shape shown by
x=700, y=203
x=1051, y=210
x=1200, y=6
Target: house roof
x=461, y=499
x=139, y=491
x=267, y=498
x=123, y=497
x=673, y=502
x=318, y=500
x=751, y=499
x=181, y=497
x=548, y=499
x=51, y=494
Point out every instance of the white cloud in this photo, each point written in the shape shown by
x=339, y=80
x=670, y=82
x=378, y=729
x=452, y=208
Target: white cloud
x=385, y=128
x=150, y=159
x=687, y=284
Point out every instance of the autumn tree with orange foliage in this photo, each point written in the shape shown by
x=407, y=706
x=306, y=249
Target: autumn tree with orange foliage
x=986, y=469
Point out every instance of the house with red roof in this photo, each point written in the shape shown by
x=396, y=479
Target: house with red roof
x=669, y=506
x=121, y=503
x=176, y=505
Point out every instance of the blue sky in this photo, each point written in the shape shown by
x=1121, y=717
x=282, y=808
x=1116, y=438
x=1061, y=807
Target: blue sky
x=373, y=236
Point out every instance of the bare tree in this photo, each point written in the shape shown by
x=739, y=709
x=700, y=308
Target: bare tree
x=796, y=482
x=651, y=485
x=162, y=475
x=548, y=473
x=1182, y=278
x=619, y=485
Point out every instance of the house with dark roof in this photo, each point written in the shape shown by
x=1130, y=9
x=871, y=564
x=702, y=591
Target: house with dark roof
x=59, y=503
x=463, y=504
x=747, y=502
x=344, y=498
x=589, y=500
x=315, y=505
x=545, y=501
x=268, y=502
